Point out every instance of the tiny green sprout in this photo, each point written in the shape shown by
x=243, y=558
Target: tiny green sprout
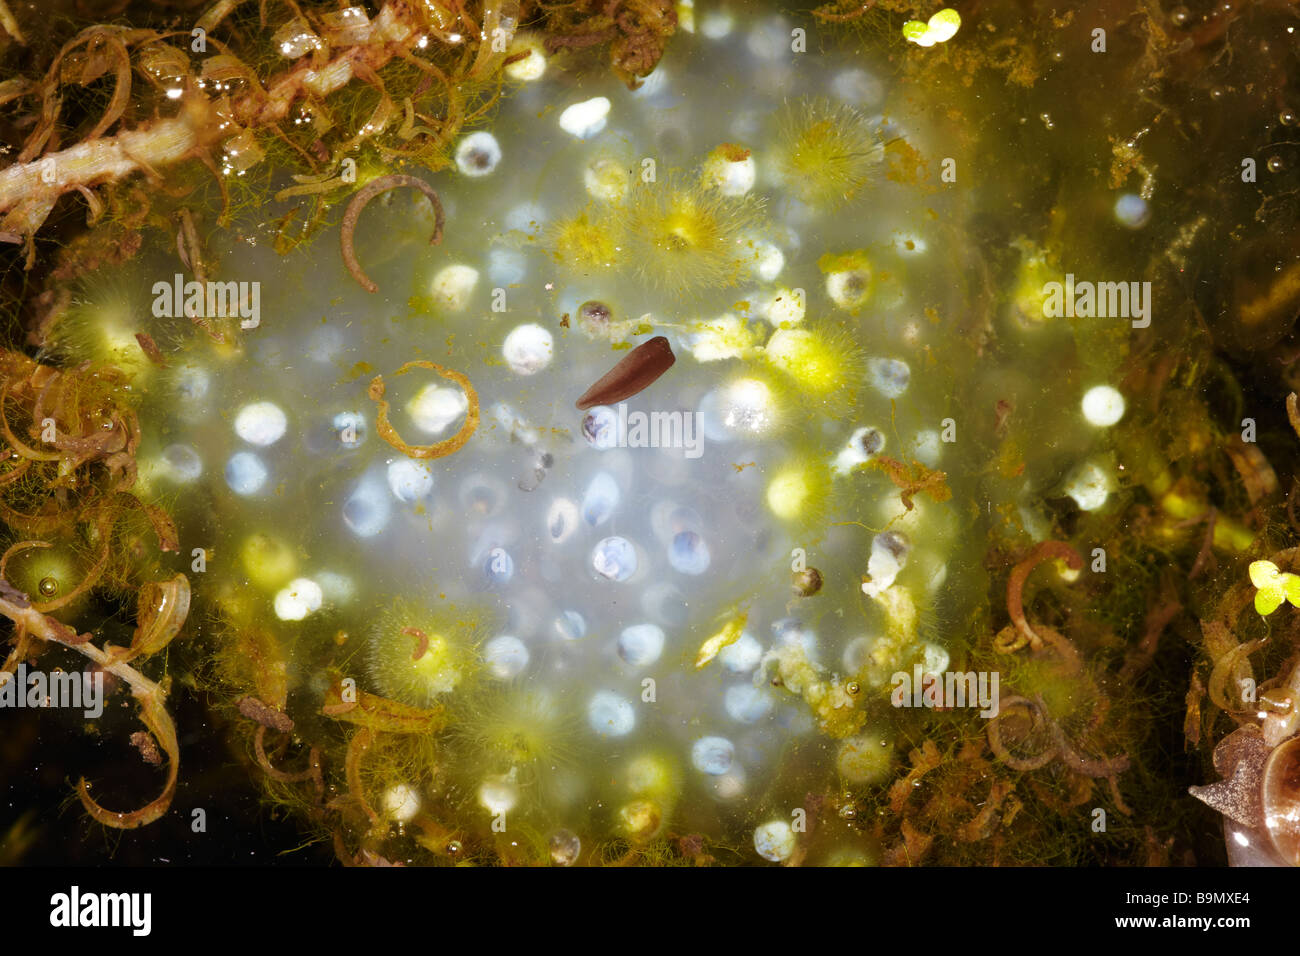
x=1274, y=586
x=941, y=28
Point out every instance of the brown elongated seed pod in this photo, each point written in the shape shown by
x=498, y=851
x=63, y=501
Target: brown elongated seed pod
x=637, y=371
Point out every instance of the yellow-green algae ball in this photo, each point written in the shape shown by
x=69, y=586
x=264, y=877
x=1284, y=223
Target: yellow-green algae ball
x=419, y=654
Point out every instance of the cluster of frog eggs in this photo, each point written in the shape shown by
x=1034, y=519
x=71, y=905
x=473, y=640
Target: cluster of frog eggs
x=746, y=407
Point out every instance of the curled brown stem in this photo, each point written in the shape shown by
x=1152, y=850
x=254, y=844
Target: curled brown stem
x=259, y=748
x=150, y=696
x=361, y=741
x=1020, y=573
x=438, y=449
x=1000, y=749
x=358, y=202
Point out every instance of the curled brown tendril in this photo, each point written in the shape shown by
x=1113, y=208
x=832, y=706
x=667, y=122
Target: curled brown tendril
x=1016, y=583
x=438, y=449
x=1061, y=748
x=359, y=201
x=1000, y=749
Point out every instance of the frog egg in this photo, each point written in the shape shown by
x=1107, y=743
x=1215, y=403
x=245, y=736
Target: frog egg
x=1103, y=406
x=498, y=794
x=349, y=428
x=863, y=445
x=478, y=154
x=528, y=349
x=713, y=755
x=688, y=553
x=742, y=656
x=564, y=846
x=890, y=377
x=506, y=657
x=367, y=510
x=192, y=383
x=765, y=259
x=768, y=40
x=600, y=427
x=499, y=566
x=935, y=659
x=561, y=520
x=857, y=654
x=857, y=87
x=889, y=553
x=245, y=473
x=453, y=285
x=181, y=463
x=665, y=603
x=584, y=120
x=865, y=759
x=791, y=631
x=782, y=307
x=774, y=841
x=746, y=703
x=408, y=480
x=641, y=644
x=1132, y=211
x=526, y=218
x=506, y=267
x=436, y=407
x=596, y=320
x=300, y=598
x=606, y=179
x=610, y=715
x=569, y=626
x=261, y=423
x=640, y=819
x=600, y=499
x=716, y=24
x=526, y=69
x=482, y=496
x=927, y=447
x=268, y=562
x=726, y=337
x=401, y=802
x=337, y=588
x=1090, y=486
x=849, y=288
x=614, y=559
x=731, y=171
x=729, y=785
x=653, y=775
x=741, y=408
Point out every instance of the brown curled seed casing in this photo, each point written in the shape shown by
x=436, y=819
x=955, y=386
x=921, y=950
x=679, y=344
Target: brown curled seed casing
x=637, y=371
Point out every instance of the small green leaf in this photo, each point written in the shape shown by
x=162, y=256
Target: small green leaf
x=1291, y=585
x=1263, y=573
x=1268, y=600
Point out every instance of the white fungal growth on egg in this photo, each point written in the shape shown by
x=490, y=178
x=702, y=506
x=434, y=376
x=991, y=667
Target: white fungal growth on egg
x=478, y=154
x=300, y=598
x=401, y=802
x=261, y=423
x=436, y=407
x=1103, y=406
x=528, y=349
x=453, y=285
x=775, y=841
x=584, y=120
